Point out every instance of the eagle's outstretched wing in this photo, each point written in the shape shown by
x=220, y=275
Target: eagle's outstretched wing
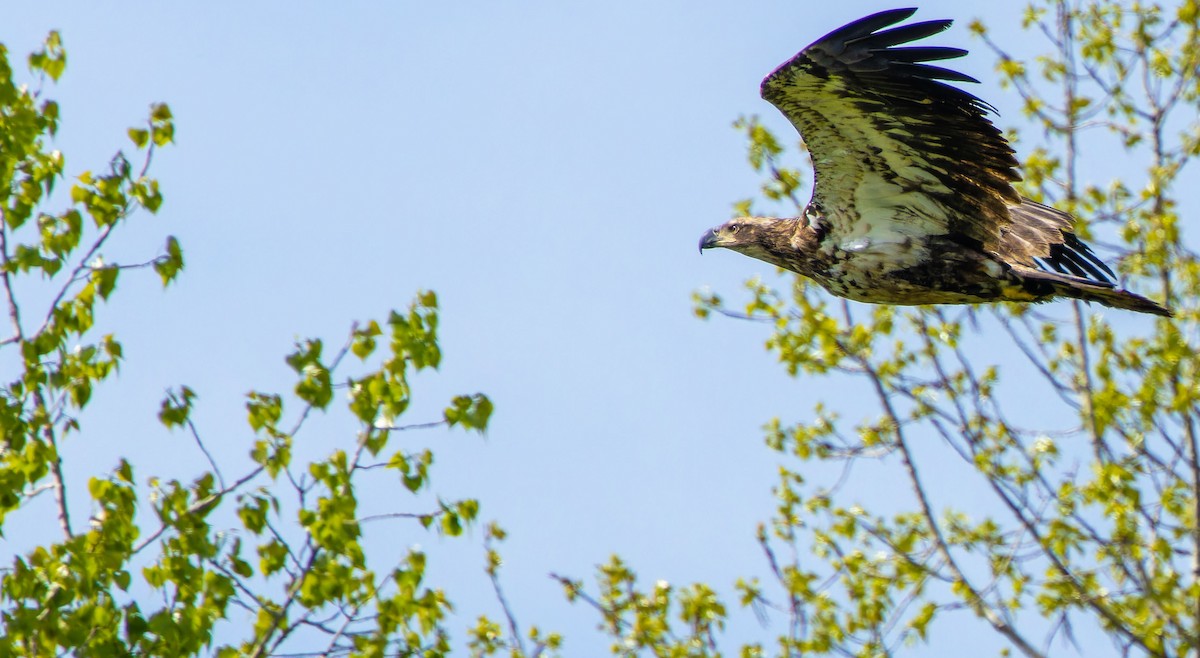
x=900, y=154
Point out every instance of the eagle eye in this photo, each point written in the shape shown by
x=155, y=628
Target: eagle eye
x=733, y=228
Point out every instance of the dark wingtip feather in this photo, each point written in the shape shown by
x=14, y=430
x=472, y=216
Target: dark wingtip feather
x=1085, y=256
x=936, y=73
x=904, y=34
x=864, y=47
x=1073, y=256
x=925, y=53
x=866, y=25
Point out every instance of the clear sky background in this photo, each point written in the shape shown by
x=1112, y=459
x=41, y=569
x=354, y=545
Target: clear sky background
x=547, y=168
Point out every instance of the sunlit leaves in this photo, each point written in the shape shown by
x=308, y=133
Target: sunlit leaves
x=51, y=59
x=364, y=342
x=413, y=468
x=288, y=547
x=314, y=386
x=203, y=570
x=264, y=410
x=331, y=567
x=414, y=335
x=661, y=620
x=55, y=593
x=470, y=411
x=139, y=136
x=170, y=263
x=55, y=278
x=763, y=152
x=253, y=509
x=162, y=126
x=176, y=407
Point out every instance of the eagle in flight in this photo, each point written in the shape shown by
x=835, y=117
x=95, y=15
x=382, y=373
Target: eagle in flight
x=913, y=199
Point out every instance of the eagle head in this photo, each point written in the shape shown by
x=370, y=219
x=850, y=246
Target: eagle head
x=747, y=235
x=787, y=242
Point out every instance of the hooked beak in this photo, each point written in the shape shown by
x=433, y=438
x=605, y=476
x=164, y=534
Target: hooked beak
x=708, y=240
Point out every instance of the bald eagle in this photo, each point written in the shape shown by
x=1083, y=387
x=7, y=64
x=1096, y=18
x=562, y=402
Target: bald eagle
x=913, y=199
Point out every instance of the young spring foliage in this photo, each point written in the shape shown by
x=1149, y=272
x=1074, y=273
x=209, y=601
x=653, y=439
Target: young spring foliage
x=270, y=560
x=49, y=240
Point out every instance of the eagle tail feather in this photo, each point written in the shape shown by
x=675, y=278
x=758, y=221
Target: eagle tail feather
x=1051, y=284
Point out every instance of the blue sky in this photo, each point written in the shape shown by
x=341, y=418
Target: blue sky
x=547, y=168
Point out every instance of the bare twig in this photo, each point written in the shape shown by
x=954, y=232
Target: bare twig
x=14, y=310
x=494, y=575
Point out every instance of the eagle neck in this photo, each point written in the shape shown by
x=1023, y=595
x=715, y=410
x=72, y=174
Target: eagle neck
x=792, y=244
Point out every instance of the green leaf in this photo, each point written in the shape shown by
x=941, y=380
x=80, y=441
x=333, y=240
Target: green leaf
x=139, y=136
x=170, y=264
x=176, y=407
x=472, y=412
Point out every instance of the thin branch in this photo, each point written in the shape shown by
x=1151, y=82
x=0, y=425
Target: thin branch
x=201, y=504
x=1194, y=462
x=14, y=312
x=260, y=648
x=494, y=576
x=207, y=455
x=577, y=592
x=1099, y=448
x=56, y=473
x=73, y=277
x=400, y=515
x=414, y=426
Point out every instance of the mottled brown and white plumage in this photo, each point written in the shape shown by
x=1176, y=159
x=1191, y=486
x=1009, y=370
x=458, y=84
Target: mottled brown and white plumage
x=913, y=199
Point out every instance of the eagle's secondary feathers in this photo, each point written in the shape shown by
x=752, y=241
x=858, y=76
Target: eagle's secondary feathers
x=913, y=199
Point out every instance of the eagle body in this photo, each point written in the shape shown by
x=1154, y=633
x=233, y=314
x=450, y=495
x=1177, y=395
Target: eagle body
x=895, y=269
x=913, y=198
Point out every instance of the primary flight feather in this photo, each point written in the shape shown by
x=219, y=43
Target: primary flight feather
x=913, y=199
